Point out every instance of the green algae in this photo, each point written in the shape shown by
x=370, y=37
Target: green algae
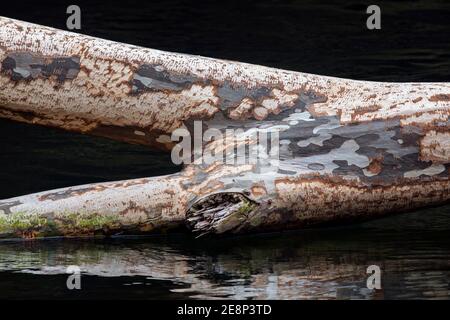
x=40, y=225
x=21, y=222
x=247, y=207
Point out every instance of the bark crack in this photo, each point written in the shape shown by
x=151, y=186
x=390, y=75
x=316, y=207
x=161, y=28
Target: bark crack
x=219, y=213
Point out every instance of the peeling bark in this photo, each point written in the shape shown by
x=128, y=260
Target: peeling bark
x=348, y=149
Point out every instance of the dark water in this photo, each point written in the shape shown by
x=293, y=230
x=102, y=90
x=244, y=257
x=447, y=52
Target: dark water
x=412, y=250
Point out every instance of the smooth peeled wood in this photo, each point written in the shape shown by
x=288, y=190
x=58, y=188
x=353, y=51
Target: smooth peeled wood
x=348, y=149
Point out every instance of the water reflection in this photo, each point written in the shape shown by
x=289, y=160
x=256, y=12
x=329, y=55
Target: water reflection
x=330, y=263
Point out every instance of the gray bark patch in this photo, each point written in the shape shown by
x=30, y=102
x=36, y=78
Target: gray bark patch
x=29, y=66
x=5, y=207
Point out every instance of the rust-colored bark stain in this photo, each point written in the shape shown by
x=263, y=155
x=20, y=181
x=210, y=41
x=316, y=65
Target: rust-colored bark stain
x=258, y=190
x=66, y=193
x=375, y=166
x=336, y=199
x=365, y=110
x=440, y=97
x=435, y=146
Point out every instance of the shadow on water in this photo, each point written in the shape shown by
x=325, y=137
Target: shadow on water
x=412, y=250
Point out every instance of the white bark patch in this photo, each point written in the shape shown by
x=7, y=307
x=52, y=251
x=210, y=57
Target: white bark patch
x=435, y=146
x=299, y=116
x=430, y=171
x=139, y=133
x=164, y=139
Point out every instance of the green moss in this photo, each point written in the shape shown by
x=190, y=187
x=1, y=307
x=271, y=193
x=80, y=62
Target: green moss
x=246, y=207
x=21, y=222
x=64, y=223
x=91, y=221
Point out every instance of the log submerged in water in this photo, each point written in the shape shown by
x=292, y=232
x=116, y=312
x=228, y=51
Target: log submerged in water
x=348, y=149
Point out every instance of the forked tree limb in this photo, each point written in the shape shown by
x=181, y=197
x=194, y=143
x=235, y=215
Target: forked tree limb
x=349, y=149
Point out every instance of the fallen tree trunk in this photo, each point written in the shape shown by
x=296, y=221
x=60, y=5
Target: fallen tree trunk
x=347, y=149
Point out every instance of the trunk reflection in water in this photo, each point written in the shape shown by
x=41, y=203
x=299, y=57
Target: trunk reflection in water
x=412, y=253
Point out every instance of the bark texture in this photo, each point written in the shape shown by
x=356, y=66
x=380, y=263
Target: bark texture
x=348, y=149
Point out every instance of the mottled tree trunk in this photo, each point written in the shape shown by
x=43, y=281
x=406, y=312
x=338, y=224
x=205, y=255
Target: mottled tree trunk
x=348, y=149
